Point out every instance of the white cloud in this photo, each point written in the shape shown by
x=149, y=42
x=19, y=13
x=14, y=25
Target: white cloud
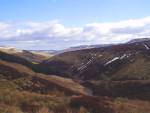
x=54, y=34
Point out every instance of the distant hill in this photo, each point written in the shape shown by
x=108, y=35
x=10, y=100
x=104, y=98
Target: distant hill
x=81, y=47
x=139, y=40
x=49, y=52
x=109, y=62
x=35, y=57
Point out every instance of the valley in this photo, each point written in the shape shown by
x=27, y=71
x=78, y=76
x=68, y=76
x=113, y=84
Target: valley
x=101, y=79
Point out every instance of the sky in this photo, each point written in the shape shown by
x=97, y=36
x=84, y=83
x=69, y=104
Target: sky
x=59, y=24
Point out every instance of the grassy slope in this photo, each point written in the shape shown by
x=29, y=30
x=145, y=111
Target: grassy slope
x=14, y=97
x=37, y=93
x=135, y=67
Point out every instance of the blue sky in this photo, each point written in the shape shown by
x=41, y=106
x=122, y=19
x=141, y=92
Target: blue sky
x=73, y=12
x=66, y=23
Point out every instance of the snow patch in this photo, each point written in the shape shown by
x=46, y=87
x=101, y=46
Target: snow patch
x=114, y=59
x=117, y=58
x=85, y=65
x=146, y=46
x=123, y=56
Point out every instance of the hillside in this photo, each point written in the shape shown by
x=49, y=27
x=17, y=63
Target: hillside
x=21, y=74
x=35, y=57
x=110, y=79
x=23, y=90
x=33, y=89
x=117, y=70
x=128, y=61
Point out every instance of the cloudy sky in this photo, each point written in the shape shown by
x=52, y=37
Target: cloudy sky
x=59, y=24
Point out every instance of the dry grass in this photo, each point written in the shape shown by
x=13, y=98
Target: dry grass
x=81, y=110
x=30, y=101
x=66, y=83
x=131, y=106
x=18, y=67
x=44, y=110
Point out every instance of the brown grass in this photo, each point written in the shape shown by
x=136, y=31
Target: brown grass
x=31, y=101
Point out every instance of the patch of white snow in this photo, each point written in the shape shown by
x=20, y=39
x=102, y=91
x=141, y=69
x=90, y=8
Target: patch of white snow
x=146, y=46
x=114, y=59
